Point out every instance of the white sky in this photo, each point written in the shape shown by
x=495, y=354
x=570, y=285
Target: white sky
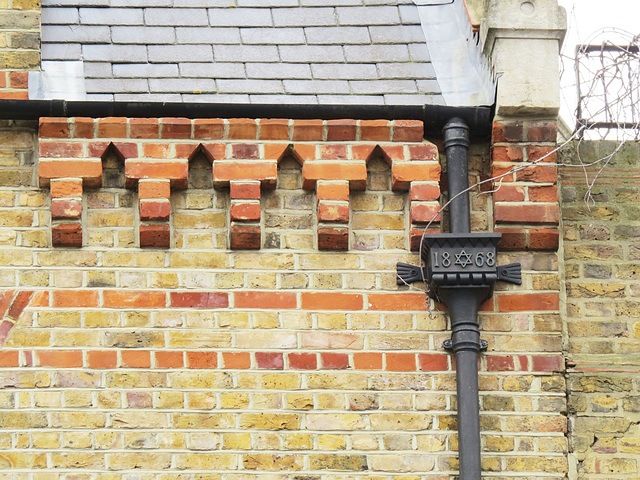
x=584, y=17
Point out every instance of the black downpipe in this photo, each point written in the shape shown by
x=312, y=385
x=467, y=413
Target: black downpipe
x=433, y=116
x=463, y=306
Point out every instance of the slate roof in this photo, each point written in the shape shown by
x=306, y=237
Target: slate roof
x=245, y=51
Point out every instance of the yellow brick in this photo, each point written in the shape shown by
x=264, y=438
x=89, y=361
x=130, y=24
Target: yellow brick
x=139, y=419
x=100, y=237
x=32, y=199
x=332, y=321
x=349, y=463
x=270, y=421
x=537, y=464
x=326, y=281
x=499, y=444
x=203, y=441
x=400, y=421
x=78, y=440
x=169, y=399
x=74, y=258
x=365, y=321
x=172, y=440
x=330, y=401
x=206, y=461
x=268, y=462
x=199, y=220
x=233, y=319
x=22, y=460
x=28, y=337
x=133, y=259
x=101, y=319
x=48, y=440
x=77, y=420
x=16, y=218
x=201, y=400
x=339, y=381
x=299, y=401
x=265, y=401
x=106, y=440
x=139, y=460
x=402, y=463
x=332, y=442
x=163, y=280
x=265, y=319
x=59, y=319
x=34, y=239
x=134, y=379
x=15, y=258
x=330, y=261
x=198, y=260
x=234, y=400
x=364, y=442
x=21, y=440
x=298, y=441
x=77, y=398
x=432, y=443
x=236, y=441
x=229, y=280
x=203, y=420
x=334, y=421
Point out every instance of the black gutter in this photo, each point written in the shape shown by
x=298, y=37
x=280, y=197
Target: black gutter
x=434, y=116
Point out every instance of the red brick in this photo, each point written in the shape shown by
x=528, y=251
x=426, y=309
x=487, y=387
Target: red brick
x=245, y=151
x=375, y=130
x=99, y=149
x=199, y=299
x=245, y=237
x=547, y=363
x=242, y=129
x=175, y=128
x=367, y=361
x=304, y=152
x=417, y=234
x=538, y=173
x=529, y=213
x=112, y=127
x=509, y=193
x=401, y=362
x=545, y=239
x=408, y=131
x=526, y=302
x=144, y=128
x=241, y=360
x=427, y=151
x=507, y=132
x=333, y=239
x=62, y=209
x=51, y=127
x=53, y=149
x=83, y=127
x=334, y=361
x=61, y=188
x=148, y=189
x=166, y=170
x=393, y=153
x=202, y=359
x=226, y=171
x=303, y=361
x=543, y=131
x=133, y=299
x=356, y=173
x=507, y=154
x=500, y=363
x=5, y=329
x=75, y=298
x=502, y=172
x=274, y=129
x=90, y=170
x=66, y=235
x=543, y=194
x=331, y=301
x=3, y=79
x=270, y=360
x=542, y=154
x=278, y=151
x=403, y=174
x=307, y=130
x=332, y=191
x=363, y=152
x=102, y=359
x=245, y=211
x=155, y=236
x=60, y=358
x=524, y=363
x=16, y=95
x=10, y=358
x=424, y=212
x=244, y=190
x=433, y=362
x=125, y=149
x=512, y=239
x=333, y=212
x=424, y=192
x=341, y=130
x=169, y=360
x=6, y=299
x=271, y=300
x=136, y=358
x=333, y=152
x=19, y=303
x=208, y=129
x=155, y=210
x=19, y=79
x=156, y=150
x=397, y=301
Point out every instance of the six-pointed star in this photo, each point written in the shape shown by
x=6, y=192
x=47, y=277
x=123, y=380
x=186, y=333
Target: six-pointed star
x=463, y=259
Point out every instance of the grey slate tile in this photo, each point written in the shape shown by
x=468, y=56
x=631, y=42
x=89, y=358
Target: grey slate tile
x=61, y=51
x=145, y=70
x=177, y=53
x=111, y=16
x=115, y=53
x=98, y=69
x=284, y=99
x=208, y=35
x=397, y=34
x=245, y=53
x=147, y=97
x=240, y=17
x=143, y=35
x=311, y=53
x=250, y=86
x=76, y=33
x=376, y=53
x=384, y=15
x=59, y=16
x=383, y=86
x=351, y=99
x=428, y=86
x=303, y=17
x=403, y=99
x=215, y=98
x=186, y=85
x=176, y=16
x=212, y=70
x=317, y=86
x=117, y=85
x=337, y=35
x=102, y=97
x=59, y=3
x=141, y=3
x=272, y=35
x=330, y=3
x=406, y=70
x=270, y=4
x=418, y=52
x=346, y=71
x=278, y=70
x=202, y=3
x=409, y=14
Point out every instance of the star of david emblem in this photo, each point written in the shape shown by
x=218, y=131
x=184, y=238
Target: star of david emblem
x=463, y=259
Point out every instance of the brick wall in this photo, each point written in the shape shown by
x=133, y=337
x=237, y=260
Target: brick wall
x=217, y=299
x=601, y=259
